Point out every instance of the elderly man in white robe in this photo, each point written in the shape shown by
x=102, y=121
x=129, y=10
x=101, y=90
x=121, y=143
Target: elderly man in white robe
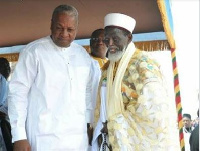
x=132, y=111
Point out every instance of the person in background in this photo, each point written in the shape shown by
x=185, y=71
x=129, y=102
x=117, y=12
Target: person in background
x=187, y=130
x=98, y=47
x=5, y=136
x=4, y=74
x=196, y=120
x=50, y=100
x=132, y=101
x=98, y=53
x=194, y=137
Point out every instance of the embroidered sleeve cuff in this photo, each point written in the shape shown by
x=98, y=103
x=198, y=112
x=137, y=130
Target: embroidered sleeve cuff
x=18, y=134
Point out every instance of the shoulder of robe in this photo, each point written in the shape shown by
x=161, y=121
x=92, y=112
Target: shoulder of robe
x=142, y=63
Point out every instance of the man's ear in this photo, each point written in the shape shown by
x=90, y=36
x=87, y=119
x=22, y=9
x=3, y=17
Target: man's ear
x=51, y=27
x=129, y=37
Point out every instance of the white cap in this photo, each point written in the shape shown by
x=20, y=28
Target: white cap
x=120, y=20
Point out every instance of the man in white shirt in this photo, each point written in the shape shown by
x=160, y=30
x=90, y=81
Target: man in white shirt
x=50, y=93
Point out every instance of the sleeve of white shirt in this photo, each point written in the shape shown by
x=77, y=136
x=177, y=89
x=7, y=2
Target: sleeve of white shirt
x=91, y=91
x=19, y=86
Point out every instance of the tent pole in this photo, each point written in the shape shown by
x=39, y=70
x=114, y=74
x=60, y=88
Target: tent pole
x=178, y=99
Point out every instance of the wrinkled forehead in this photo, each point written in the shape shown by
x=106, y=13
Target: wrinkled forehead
x=64, y=17
x=112, y=30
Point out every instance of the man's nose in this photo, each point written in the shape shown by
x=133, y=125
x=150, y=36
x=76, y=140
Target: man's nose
x=100, y=41
x=109, y=42
x=64, y=33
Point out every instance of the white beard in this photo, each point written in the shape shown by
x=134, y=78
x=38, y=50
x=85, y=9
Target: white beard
x=116, y=56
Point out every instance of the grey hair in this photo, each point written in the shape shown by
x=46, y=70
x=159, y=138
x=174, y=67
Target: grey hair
x=70, y=10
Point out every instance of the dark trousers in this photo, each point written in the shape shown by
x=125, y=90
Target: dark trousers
x=6, y=132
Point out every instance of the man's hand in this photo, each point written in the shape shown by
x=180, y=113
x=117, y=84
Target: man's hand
x=2, y=115
x=22, y=145
x=100, y=140
x=90, y=133
x=104, y=129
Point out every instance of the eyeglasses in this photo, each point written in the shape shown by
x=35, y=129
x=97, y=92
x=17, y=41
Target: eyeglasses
x=97, y=39
x=114, y=39
x=105, y=40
